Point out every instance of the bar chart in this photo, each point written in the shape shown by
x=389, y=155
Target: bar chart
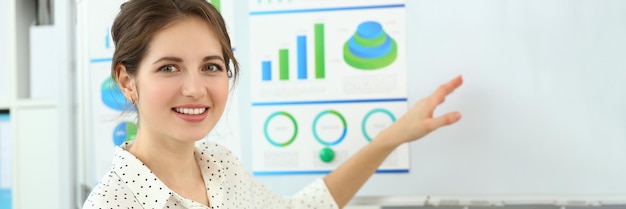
x=301, y=58
x=217, y=4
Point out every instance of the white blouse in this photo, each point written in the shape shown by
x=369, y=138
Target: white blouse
x=130, y=184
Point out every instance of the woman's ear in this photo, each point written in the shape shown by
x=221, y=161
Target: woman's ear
x=126, y=82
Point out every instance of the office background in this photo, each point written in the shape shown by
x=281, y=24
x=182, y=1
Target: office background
x=544, y=119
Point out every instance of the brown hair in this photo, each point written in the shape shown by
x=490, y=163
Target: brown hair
x=139, y=20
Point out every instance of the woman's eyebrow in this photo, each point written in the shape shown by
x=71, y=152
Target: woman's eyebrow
x=173, y=59
x=214, y=57
x=178, y=59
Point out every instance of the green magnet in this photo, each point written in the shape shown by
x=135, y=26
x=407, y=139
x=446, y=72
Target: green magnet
x=327, y=154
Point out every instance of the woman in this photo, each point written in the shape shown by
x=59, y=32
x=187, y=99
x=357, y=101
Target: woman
x=172, y=61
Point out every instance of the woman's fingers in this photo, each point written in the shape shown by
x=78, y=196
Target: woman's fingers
x=447, y=88
x=444, y=120
x=430, y=123
x=427, y=105
x=419, y=120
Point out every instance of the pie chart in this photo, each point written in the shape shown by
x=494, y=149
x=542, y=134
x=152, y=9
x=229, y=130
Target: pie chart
x=125, y=131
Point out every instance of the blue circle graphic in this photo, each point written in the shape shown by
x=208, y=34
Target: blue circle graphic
x=112, y=95
x=343, y=134
x=370, y=52
x=369, y=29
x=123, y=132
x=370, y=113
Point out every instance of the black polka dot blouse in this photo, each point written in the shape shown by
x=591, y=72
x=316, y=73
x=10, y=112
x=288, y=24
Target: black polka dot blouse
x=130, y=184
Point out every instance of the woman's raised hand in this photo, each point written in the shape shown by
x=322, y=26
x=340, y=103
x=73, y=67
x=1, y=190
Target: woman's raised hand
x=419, y=120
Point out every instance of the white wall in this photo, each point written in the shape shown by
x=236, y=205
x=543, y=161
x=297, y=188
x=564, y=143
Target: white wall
x=5, y=7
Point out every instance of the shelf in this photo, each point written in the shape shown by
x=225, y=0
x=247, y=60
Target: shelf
x=5, y=106
x=28, y=103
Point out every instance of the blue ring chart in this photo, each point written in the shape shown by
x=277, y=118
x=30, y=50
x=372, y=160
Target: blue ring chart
x=369, y=114
x=343, y=121
x=295, y=128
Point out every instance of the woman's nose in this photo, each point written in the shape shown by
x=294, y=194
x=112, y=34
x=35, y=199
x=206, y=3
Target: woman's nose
x=193, y=86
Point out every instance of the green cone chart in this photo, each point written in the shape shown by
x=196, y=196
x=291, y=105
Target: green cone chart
x=370, y=48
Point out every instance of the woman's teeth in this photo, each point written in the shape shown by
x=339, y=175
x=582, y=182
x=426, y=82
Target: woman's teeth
x=190, y=111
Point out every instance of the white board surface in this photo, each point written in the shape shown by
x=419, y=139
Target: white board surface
x=544, y=101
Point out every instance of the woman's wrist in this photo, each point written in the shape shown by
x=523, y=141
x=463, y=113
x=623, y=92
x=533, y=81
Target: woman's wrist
x=388, y=139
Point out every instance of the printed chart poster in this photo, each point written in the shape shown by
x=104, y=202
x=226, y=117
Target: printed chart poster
x=327, y=77
x=112, y=119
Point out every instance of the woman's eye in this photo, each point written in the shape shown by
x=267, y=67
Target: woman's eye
x=212, y=68
x=168, y=68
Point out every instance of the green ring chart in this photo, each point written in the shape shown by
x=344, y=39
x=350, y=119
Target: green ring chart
x=369, y=114
x=343, y=121
x=293, y=121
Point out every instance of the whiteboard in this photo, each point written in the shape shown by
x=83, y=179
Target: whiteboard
x=543, y=103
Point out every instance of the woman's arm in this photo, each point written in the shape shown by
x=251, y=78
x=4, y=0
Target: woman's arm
x=346, y=180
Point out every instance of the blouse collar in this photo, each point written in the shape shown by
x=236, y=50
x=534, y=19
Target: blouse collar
x=150, y=191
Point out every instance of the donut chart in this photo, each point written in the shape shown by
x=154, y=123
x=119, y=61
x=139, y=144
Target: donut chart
x=267, y=125
x=344, y=128
x=375, y=112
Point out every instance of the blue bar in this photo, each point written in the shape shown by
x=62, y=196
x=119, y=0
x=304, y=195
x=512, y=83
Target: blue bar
x=6, y=199
x=107, y=37
x=267, y=70
x=328, y=102
x=98, y=60
x=302, y=71
x=327, y=9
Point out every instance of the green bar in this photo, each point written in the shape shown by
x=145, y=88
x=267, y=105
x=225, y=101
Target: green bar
x=320, y=67
x=283, y=62
x=217, y=5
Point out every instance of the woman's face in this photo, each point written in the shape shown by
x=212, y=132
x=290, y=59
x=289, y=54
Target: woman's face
x=182, y=84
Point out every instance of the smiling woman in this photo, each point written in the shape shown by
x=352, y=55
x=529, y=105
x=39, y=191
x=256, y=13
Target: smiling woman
x=182, y=81
x=172, y=61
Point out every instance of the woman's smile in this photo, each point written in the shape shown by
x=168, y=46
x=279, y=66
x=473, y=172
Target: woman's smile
x=191, y=113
